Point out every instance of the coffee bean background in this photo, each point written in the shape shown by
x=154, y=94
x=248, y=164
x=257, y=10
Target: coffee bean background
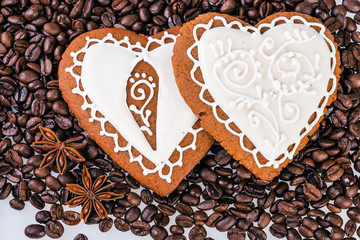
x=317, y=196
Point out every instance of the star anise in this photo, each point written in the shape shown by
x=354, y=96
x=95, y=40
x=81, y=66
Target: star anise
x=91, y=195
x=57, y=150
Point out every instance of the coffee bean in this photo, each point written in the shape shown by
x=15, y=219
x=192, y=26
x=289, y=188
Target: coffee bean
x=56, y=211
x=305, y=231
x=197, y=233
x=71, y=218
x=50, y=196
x=36, y=201
x=52, y=183
x=322, y=234
x=256, y=233
x=54, y=229
x=304, y=7
x=132, y=214
x=225, y=223
x=264, y=220
x=287, y=208
x=43, y=216
x=166, y=209
x=312, y=192
x=350, y=228
x=32, y=53
x=133, y=199
x=158, y=233
x=343, y=202
x=236, y=234
x=105, y=224
x=161, y=220
x=13, y=158
x=35, y=231
x=354, y=214
x=17, y=204
x=206, y=205
x=122, y=225
x=184, y=221
x=278, y=230
x=186, y=198
x=36, y=185
x=352, y=5
x=140, y=228
x=80, y=237
x=292, y=234
x=337, y=233
x=148, y=213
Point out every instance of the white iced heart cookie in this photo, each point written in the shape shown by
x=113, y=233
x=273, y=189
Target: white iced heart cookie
x=259, y=90
x=121, y=88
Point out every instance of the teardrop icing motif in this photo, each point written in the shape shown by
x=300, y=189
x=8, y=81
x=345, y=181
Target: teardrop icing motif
x=142, y=88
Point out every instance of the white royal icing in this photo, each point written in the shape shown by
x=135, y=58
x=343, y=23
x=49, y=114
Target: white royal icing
x=105, y=69
x=268, y=84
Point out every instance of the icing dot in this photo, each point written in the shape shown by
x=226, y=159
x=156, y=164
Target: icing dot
x=87, y=38
x=151, y=79
x=143, y=75
x=132, y=80
x=273, y=94
x=72, y=54
x=67, y=69
x=258, y=63
x=91, y=119
x=102, y=133
x=137, y=75
x=153, y=85
x=109, y=35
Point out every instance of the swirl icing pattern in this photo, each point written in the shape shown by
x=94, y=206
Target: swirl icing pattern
x=269, y=80
x=137, y=92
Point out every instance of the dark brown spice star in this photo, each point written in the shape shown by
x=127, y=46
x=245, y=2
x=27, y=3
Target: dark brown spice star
x=58, y=150
x=91, y=194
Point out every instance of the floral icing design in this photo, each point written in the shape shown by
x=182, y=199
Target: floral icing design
x=264, y=82
x=140, y=53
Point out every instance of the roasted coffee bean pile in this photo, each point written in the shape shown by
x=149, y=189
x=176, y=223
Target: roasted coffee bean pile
x=218, y=193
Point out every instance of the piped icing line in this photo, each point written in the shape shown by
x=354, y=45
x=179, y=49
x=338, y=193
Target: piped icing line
x=224, y=49
x=94, y=109
x=143, y=112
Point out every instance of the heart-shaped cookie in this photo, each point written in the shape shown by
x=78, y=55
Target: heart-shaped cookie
x=121, y=88
x=259, y=90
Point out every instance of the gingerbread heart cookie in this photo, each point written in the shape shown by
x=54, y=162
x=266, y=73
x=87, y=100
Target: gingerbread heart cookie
x=121, y=88
x=259, y=90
